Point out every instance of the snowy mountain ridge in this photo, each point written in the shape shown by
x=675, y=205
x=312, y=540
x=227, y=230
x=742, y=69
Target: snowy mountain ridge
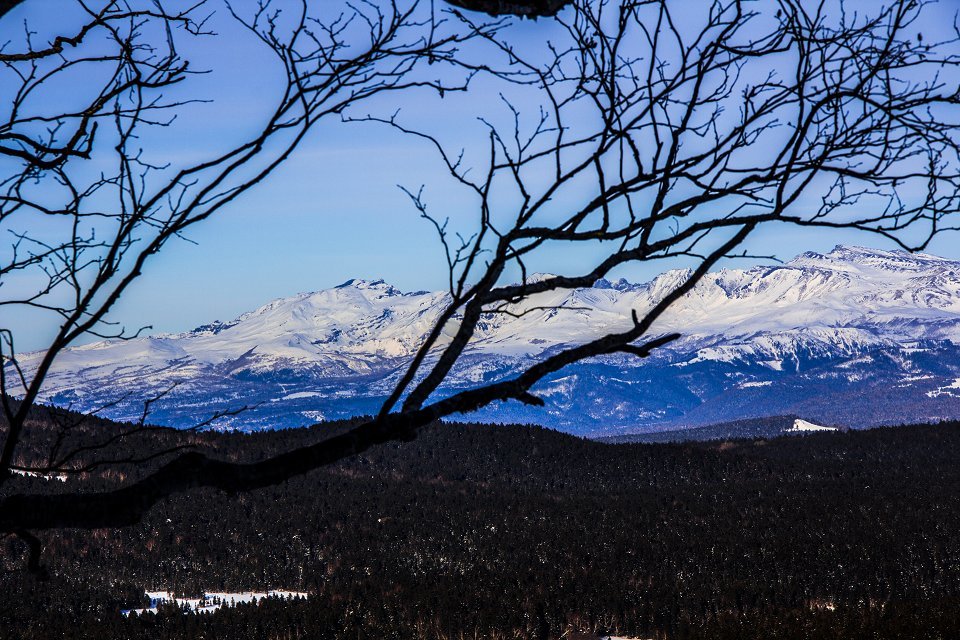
x=818, y=336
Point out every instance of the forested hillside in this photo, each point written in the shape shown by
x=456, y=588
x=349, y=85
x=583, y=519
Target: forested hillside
x=506, y=532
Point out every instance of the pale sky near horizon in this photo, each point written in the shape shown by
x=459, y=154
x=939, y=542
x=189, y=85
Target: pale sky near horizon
x=332, y=213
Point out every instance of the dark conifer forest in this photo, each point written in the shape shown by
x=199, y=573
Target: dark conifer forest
x=478, y=531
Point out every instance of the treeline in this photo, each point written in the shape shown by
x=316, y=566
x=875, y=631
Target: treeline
x=476, y=531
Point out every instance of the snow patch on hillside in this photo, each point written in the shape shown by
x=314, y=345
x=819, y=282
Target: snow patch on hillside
x=804, y=426
x=210, y=601
x=948, y=390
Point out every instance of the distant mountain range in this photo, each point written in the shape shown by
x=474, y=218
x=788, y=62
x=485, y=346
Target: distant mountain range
x=855, y=338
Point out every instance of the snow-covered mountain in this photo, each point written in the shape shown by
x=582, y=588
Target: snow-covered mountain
x=855, y=337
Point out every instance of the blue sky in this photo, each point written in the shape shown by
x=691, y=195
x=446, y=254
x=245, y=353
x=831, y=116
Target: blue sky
x=334, y=211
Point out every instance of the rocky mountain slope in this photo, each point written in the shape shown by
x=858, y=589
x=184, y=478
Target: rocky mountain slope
x=855, y=337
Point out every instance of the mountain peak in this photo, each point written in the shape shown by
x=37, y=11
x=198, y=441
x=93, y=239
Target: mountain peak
x=845, y=257
x=369, y=285
x=619, y=285
x=539, y=276
x=855, y=253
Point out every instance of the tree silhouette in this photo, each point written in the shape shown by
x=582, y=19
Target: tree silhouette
x=657, y=134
